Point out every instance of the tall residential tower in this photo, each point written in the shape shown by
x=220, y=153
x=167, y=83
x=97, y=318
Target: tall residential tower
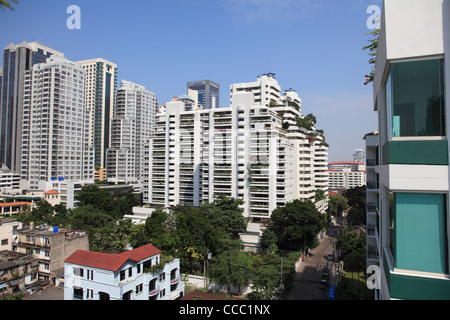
x=130, y=130
x=55, y=135
x=101, y=83
x=16, y=60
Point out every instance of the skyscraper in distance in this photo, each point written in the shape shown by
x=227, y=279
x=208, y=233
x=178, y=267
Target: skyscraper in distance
x=101, y=83
x=131, y=129
x=16, y=60
x=208, y=93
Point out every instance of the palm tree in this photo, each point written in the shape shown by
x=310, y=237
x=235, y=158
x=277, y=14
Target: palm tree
x=4, y=3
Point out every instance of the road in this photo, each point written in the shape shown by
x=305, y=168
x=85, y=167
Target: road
x=309, y=272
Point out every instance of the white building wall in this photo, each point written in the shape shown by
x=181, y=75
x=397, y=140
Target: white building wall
x=55, y=133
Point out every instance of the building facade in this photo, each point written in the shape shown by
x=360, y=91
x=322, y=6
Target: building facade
x=8, y=179
x=130, y=130
x=346, y=175
x=16, y=60
x=55, y=128
x=18, y=272
x=139, y=274
x=49, y=245
x=260, y=154
x=266, y=90
x=208, y=93
x=411, y=87
x=372, y=199
x=101, y=84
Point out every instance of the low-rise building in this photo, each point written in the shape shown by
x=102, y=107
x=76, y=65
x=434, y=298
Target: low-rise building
x=138, y=274
x=7, y=225
x=18, y=272
x=49, y=245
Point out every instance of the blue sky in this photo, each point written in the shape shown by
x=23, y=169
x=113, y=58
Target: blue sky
x=313, y=46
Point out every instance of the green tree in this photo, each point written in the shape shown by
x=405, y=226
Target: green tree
x=350, y=242
x=88, y=218
x=5, y=3
x=337, y=204
x=194, y=236
x=266, y=278
x=231, y=268
x=138, y=236
x=268, y=238
x=355, y=196
x=226, y=214
x=42, y=213
x=297, y=225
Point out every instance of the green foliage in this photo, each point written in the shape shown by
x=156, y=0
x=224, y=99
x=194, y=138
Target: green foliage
x=356, y=199
x=297, y=225
x=268, y=238
x=352, y=243
x=337, y=204
x=319, y=195
x=373, y=48
x=231, y=267
x=308, y=122
x=5, y=3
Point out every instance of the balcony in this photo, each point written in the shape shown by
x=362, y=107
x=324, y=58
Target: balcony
x=373, y=185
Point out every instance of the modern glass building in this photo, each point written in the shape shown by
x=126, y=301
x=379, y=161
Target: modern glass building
x=16, y=60
x=101, y=84
x=208, y=93
x=410, y=215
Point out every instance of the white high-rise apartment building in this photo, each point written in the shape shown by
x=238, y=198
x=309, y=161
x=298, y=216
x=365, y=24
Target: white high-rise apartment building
x=101, y=84
x=266, y=89
x=55, y=136
x=250, y=150
x=131, y=129
x=310, y=147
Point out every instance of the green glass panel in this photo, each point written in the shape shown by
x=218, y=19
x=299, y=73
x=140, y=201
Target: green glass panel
x=417, y=98
x=420, y=232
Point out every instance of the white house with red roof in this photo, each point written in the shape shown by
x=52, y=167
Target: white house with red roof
x=138, y=274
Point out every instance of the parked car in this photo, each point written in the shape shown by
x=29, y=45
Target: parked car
x=331, y=257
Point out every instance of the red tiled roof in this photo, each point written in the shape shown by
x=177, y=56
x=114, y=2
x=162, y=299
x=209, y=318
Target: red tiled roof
x=97, y=260
x=111, y=261
x=14, y=204
x=141, y=253
x=51, y=192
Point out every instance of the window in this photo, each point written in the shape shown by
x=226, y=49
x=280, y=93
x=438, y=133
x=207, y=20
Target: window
x=78, y=293
x=152, y=285
x=420, y=232
x=90, y=275
x=78, y=272
x=122, y=275
x=89, y=293
x=139, y=288
x=415, y=99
